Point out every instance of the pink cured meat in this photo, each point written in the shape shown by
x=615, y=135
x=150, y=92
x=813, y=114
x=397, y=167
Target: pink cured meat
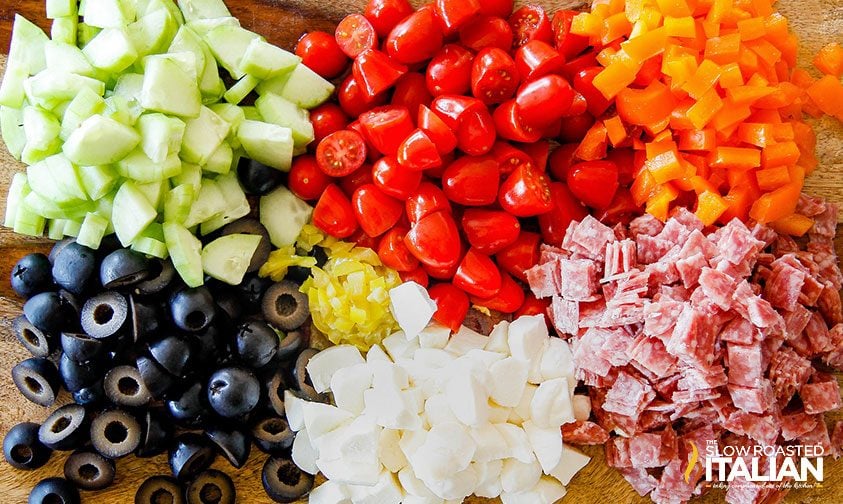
x=702, y=379
x=762, y=428
x=672, y=487
x=628, y=396
x=565, y=315
x=645, y=225
x=817, y=437
x=650, y=248
x=737, y=244
x=810, y=206
x=753, y=400
x=621, y=257
x=718, y=287
x=797, y=424
x=587, y=351
x=783, y=287
x=740, y=331
x=577, y=279
x=645, y=450
x=825, y=223
x=543, y=279
x=796, y=321
x=692, y=340
x=746, y=365
x=836, y=440
x=617, y=452
x=812, y=289
x=689, y=269
x=820, y=397
x=640, y=480
x=590, y=237
x=653, y=356
x=829, y=305
x=584, y=432
x=698, y=243
x=788, y=372
x=659, y=318
x=618, y=348
x=817, y=333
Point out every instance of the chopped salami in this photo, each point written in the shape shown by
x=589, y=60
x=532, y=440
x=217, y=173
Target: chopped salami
x=753, y=400
x=746, y=365
x=653, y=356
x=692, y=340
x=829, y=305
x=817, y=437
x=577, y=279
x=645, y=225
x=689, y=269
x=797, y=424
x=590, y=237
x=628, y=396
x=565, y=315
x=645, y=450
x=543, y=279
x=784, y=285
x=717, y=286
x=820, y=397
x=836, y=440
x=640, y=480
x=584, y=432
x=788, y=372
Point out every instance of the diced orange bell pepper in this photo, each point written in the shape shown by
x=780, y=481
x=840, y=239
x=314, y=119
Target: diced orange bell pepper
x=736, y=158
x=776, y=204
x=738, y=200
x=784, y=95
x=615, y=27
x=757, y=134
x=645, y=107
x=779, y=154
x=724, y=49
x=615, y=130
x=728, y=118
x=776, y=27
x=765, y=50
x=748, y=95
x=827, y=94
x=782, y=132
x=829, y=60
x=679, y=117
x=710, y=206
x=704, y=110
x=697, y=140
x=752, y=28
x=704, y=79
x=772, y=178
x=683, y=27
x=719, y=9
x=658, y=205
x=647, y=45
x=801, y=78
x=793, y=225
x=594, y=144
x=586, y=24
x=676, y=8
x=614, y=79
x=730, y=76
x=762, y=7
x=665, y=167
x=700, y=185
x=643, y=187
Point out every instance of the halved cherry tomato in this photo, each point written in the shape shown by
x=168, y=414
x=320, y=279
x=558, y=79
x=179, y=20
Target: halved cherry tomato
x=476, y=134
x=451, y=305
x=451, y=108
x=521, y=255
x=487, y=31
x=622, y=209
x=530, y=23
x=435, y=240
x=372, y=153
x=326, y=119
x=494, y=77
x=500, y=8
x=341, y=152
x=525, y=192
x=425, y=200
x=537, y=58
x=320, y=51
x=393, y=253
x=455, y=13
x=437, y=130
x=539, y=152
x=478, y=275
x=363, y=240
x=353, y=100
x=376, y=72
x=594, y=182
x=508, y=299
x=624, y=159
x=358, y=178
x=355, y=34
x=509, y=156
x=579, y=105
x=376, y=212
x=441, y=273
x=544, y=100
x=306, y=179
x=561, y=160
x=449, y=72
x=411, y=91
x=566, y=208
x=571, y=67
x=394, y=179
x=584, y=84
x=533, y=306
x=387, y=127
x=333, y=213
x=575, y=127
x=489, y=231
x=385, y=14
x=509, y=124
x=417, y=152
x=418, y=275
x=472, y=181
x=566, y=42
x=416, y=38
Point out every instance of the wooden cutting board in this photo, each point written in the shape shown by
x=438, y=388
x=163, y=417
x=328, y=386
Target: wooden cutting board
x=282, y=22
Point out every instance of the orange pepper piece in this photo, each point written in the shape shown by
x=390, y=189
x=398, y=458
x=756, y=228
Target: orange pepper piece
x=752, y=28
x=702, y=112
x=736, y=158
x=615, y=130
x=645, y=107
x=704, y=79
x=658, y=204
x=710, y=206
x=697, y=140
x=614, y=79
x=779, y=154
x=683, y=27
x=643, y=187
x=730, y=76
x=794, y=225
x=827, y=94
x=829, y=60
x=593, y=145
x=776, y=204
x=772, y=178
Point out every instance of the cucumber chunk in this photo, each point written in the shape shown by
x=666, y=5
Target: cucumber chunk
x=56, y=179
x=42, y=135
x=92, y=231
x=154, y=192
x=55, y=229
x=26, y=50
x=153, y=32
x=64, y=29
x=264, y=60
x=132, y=213
x=168, y=88
x=67, y=58
x=202, y=136
x=61, y=8
x=151, y=242
x=11, y=128
x=161, y=135
x=283, y=215
x=236, y=204
x=267, y=143
x=129, y=86
x=138, y=167
x=85, y=33
x=122, y=110
x=277, y=110
x=209, y=203
x=111, y=50
x=27, y=222
x=51, y=87
x=12, y=91
x=100, y=140
x=227, y=258
x=185, y=252
x=186, y=40
x=241, y=89
x=221, y=160
x=18, y=189
x=202, y=26
x=84, y=105
x=228, y=45
x=109, y=13
x=203, y=9
x=98, y=181
x=72, y=227
x=306, y=88
x=177, y=203
x=191, y=175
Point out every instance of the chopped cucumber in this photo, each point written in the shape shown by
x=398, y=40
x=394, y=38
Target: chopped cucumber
x=27, y=222
x=241, y=89
x=26, y=50
x=264, y=60
x=234, y=115
x=203, y=9
x=161, y=135
x=151, y=241
x=168, y=88
x=228, y=45
x=153, y=32
x=86, y=104
x=64, y=29
x=85, y=33
x=227, y=258
x=211, y=85
x=42, y=135
x=154, y=192
x=97, y=180
x=203, y=26
x=138, y=167
x=109, y=13
x=185, y=252
x=267, y=143
x=191, y=175
x=18, y=189
x=277, y=110
x=132, y=213
x=306, y=88
x=251, y=113
x=221, y=160
x=100, y=140
x=177, y=203
x=92, y=231
x=187, y=41
x=55, y=229
x=68, y=58
x=283, y=215
x=209, y=203
x=203, y=135
x=237, y=205
x=72, y=227
x=111, y=50
x=51, y=87
x=129, y=86
x=122, y=110
x=11, y=128
x=56, y=179
x=12, y=91
x=61, y=8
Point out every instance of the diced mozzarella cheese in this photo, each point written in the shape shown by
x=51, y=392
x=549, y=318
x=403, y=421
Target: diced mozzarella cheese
x=411, y=307
x=468, y=398
x=569, y=465
x=361, y=440
x=483, y=358
x=491, y=444
x=527, y=336
x=521, y=411
x=447, y=450
x=464, y=340
x=551, y=405
x=534, y=375
x=508, y=379
x=348, y=385
x=457, y=486
x=398, y=346
x=411, y=441
x=320, y=419
x=413, y=485
x=385, y=491
x=391, y=408
x=546, y=444
x=557, y=361
x=437, y=410
x=546, y=491
x=433, y=357
x=293, y=410
x=389, y=450
x=581, y=405
x=330, y=492
x=387, y=374
x=303, y=453
x=435, y=335
x=498, y=413
x=376, y=354
x=489, y=479
x=343, y=471
x=322, y=366
x=499, y=338
x=516, y=441
x=517, y=476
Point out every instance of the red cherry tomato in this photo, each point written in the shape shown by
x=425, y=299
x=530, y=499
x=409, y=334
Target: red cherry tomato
x=489, y=231
x=306, y=180
x=416, y=38
x=449, y=72
x=435, y=240
x=441, y=273
x=387, y=127
x=521, y=255
x=326, y=119
x=478, y=275
x=530, y=23
x=544, y=100
x=333, y=213
x=561, y=160
x=509, y=157
x=320, y=51
x=572, y=66
x=385, y=14
x=393, y=253
x=394, y=179
x=418, y=275
x=584, y=84
x=578, y=107
x=455, y=13
x=625, y=160
x=437, y=130
x=574, y=128
x=363, y=240
x=425, y=200
x=499, y=8
x=494, y=77
x=340, y=153
x=472, y=181
x=509, y=125
x=355, y=34
x=533, y=306
x=537, y=58
x=526, y=192
x=476, y=134
x=358, y=178
x=376, y=212
x=418, y=152
x=622, y=209
x=539, y=152
x=594, y=182
x=566, y=208
x=353, y=100
x=567, y=43
x=376, y=72
x=371, y=151
x=487, y=31
x=451, y=305
x=508, y=299
x=451, y=108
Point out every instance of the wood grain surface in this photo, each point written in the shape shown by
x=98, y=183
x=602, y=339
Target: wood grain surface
x=282, y=22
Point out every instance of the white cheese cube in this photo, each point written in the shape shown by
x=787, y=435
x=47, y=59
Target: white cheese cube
x=437, y=410
x=483, y=358
x=521, y=411
x=551, y=405
x=491, y=444
x=389, y=450
x=508, y=379
x=320, y=419
x=581, y=405
x=447, y=450
x=398, y=346
x=558, y=361
x=376, y=354
x=348, y=385
x=499, y=338
x=323, y=365
x=498, y=413
x=534, y=375
x=304, y=454
x=330, y=492
x=435, y=335
x=387, y=374
x=349, y=473
x=546, y=491
x=411, y=307
x=293, y=410
x=546, y=444
x=527, y=336
x=516, y=441
x=385, y=491
x=433, y=357
x=413, y=485
x=517, y=476
x=464, y=340
x=361, y=441
x=569, y=465
x=468, y=398
x=411, y=441
x=391, y=408
x=457, y=486
x=489, y=479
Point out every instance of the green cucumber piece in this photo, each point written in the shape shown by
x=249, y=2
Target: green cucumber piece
x=86, y=104
x=267, y=143
x=202, y=136
x=191, y=175
x=129, y=86
x=264, y=60
x=185, y=253
x=161, y=135
x=228, y=45
x=150, y=246
x=49, y=209
x=251, y=113
x=55, y=229
x=109, y=13
x=67, y=58
x=241, y=89
x=26, y=50
x=42, y=135
x=18, y=189
x=111, y=50
x=177, y=203
x=61, y=8
x=209, y=203
x=72, y=227
x=202, y=26
x=92, y=231
x=132, y=213
x=11, y=128
x=145, y=7
x=203, y=9
x=276, y=110
x=51, y=87
x=168, y=88
x=65, y=29
x=98, y=181
x=153, y=33
x=210, y=84
x=186, y=40
x=27, y=222
x=227, y=258
x=306, y=88
x=138, y=167
x=85, y=33
x=221, y=160
x=154, y=192
x=56, y=179
x=12, y=90
x=237, y=205
x=283, y=215
x=122, y=110
x=233, y=115
x=100, y=140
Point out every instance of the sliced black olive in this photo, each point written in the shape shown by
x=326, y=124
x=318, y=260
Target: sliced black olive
x=257, y=178
x=89, y=470
x=61, y=244
x=273, y=435
x=54, y=491
x=124, y=386
x=275, y=387
x=303, y=380
x=160, y=489
x=321, y=256
x=228, y=301
x=32, y=275
x=39, y=343
x=161, y=276
x=285, y=306
x=81, y=348
x=50, y=313
x=104, y=314
x=211, y=487
x=212, y=342
x=284, y=481
x=22, y=448
x=297, y=274
x=252, y=227
x=192, y=309
x=37, y=379
x=233, y=444
x=122, y=268
x=174, y=354
x=72, y=300
x=92, y=395
x=292, y=343
x=256, y=343
x=190, y=454
x=115, y=434
x=76, y=376
x=156, y=380
x=251, y=290
x=155, y=435
x=66, y=428
x=146, y=319
x=74, y=267
x=233, y=392
x=190, y=408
